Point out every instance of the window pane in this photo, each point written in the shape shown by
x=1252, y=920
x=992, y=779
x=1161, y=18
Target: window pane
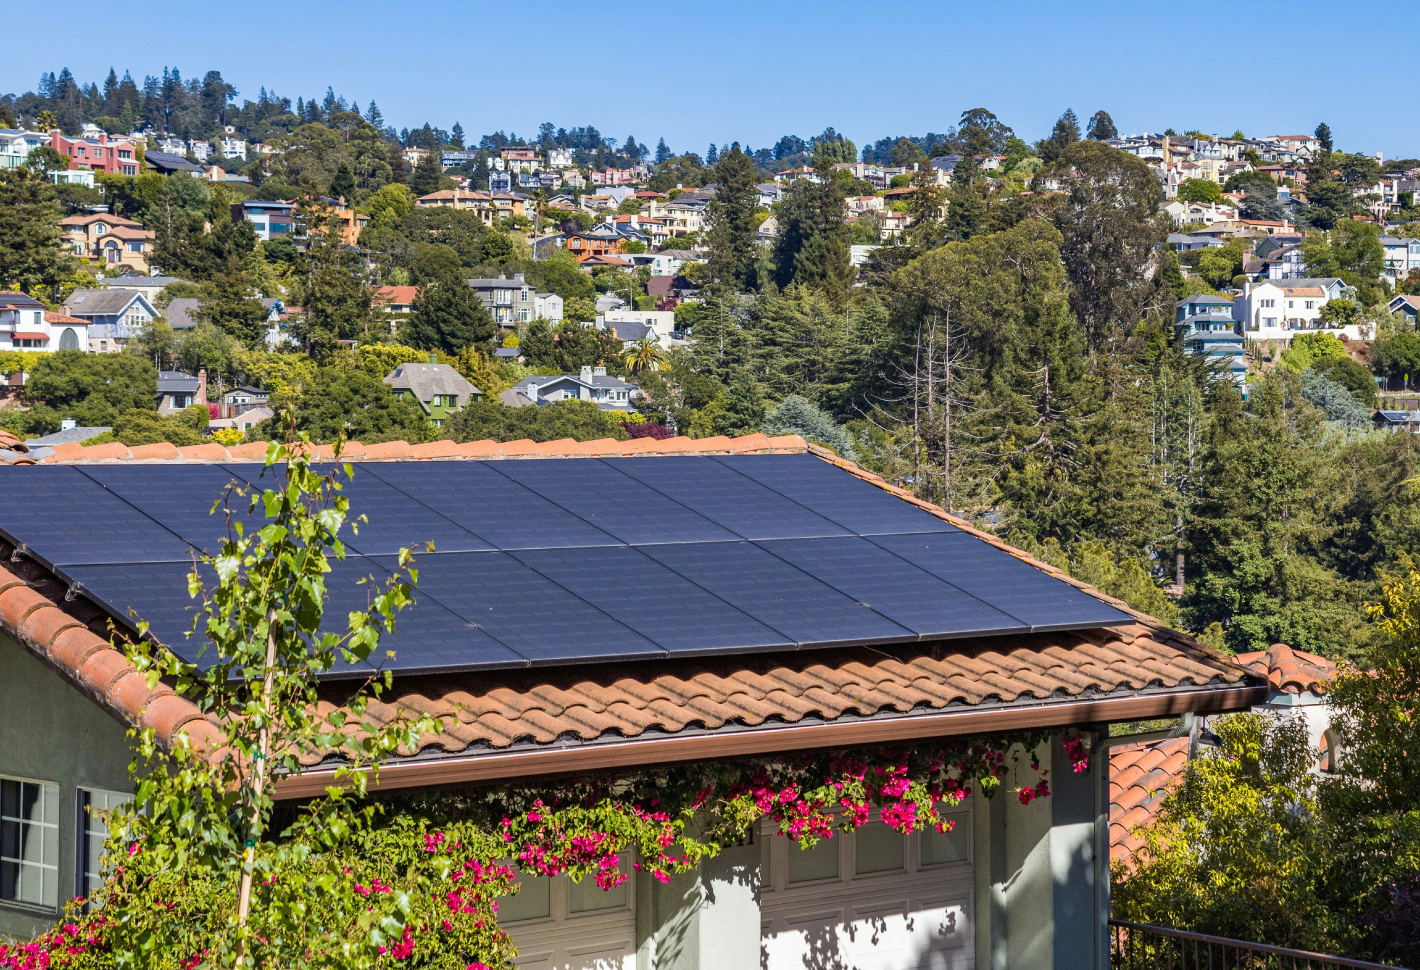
x=532, y=901
x=809, y=865
x=877, y=848
x=587, y=897
x=939, y=848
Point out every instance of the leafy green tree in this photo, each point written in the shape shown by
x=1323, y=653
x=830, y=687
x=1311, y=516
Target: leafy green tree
x=560, y=273
x=92, y=388
x=342, y=186
x=1220, y=265
x=578, y=420
x=200, y=244
x=1101, y=127
x=230, y=301
x=1350, y=374
x=342, y=402
x=1113, y=237
x=1396, y=357
x=448, y=315
x=145, y=427
x=30, y=243
x=389, y=204
x=733, y=234
x=1251, y=183
x=1199, y=190
x=741, y=409
x=982, y=133
x=331, y=286
x=1341, y=312
x=1351, y=251
x=428, y=175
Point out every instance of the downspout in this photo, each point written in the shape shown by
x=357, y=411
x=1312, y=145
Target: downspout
x=1099, y=751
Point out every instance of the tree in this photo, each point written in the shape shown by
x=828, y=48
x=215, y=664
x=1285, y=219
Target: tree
x=663, y=153
x=344, y=402
x=1199, y=190
x=1113, y=238
x=229, y=301
x=1350, y=374
x=733, y=233
x=643, y=355
x=144, y=427
x=1101, y=127
x=1220, y=265
x=1351, y=251
x=330, y=284
x=741, y=409
x=428, y=174
x=812, y=247
x=342, y=186
x=92, y=388
x=490, y=420
x=1065, y=133
x=982, y=133
x=448, y=315
x=30, y=240
x=1323, y=135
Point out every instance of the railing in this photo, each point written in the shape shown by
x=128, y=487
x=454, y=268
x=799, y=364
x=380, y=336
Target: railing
x=1137, y=946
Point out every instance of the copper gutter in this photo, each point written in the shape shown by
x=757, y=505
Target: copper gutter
x=582, y=756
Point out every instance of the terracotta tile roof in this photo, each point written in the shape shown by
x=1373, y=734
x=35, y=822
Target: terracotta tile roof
x=1289, y=671
x=978, y=684
x=1140, y=775
x=60, y=317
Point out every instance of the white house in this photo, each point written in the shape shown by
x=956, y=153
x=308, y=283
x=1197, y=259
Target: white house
x=234, y=148
x=547, y=306
x=1402, y=257
x=1279, y=309
x=26, y=325
x=659, y=323
x=559, y=158
x=172, y=146
x=16, y=145
x=592, y=384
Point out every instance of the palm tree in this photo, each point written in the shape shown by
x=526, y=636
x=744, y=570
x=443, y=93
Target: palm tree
x=644, y=355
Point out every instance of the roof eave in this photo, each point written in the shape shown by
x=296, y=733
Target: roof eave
x=568, y=756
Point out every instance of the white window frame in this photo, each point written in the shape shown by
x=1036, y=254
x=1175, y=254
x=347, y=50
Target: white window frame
x=49, y=845
x=84, y=806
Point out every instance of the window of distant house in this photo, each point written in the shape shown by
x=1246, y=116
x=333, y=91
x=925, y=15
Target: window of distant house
x=1291, y=304
x=29, y=842
x=1311, y=304
x=95, y=809
x=100, y=229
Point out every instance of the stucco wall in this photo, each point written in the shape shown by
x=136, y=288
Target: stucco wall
x=51, y=732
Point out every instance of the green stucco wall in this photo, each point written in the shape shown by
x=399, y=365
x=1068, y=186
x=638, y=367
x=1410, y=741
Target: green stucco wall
x=51, y=732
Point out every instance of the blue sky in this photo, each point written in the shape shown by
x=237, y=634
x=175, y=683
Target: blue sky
x=751, y=71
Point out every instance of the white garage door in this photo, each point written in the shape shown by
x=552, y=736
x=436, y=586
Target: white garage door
x=874, y=900
x=557, y=924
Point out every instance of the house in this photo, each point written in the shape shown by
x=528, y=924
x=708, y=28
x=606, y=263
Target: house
x=509, y=301
x=149, y=286
x=891, y=224
x=521, y=159
x=1200, y=305
x=684, y=215
x=659, y=323
x=26, y=325
x=115, y=316
x=769, y=194
x=560, y=158
x=500, y=182
x=109, y=240
x=112, y=156
x=585, y=245
x=1404, y=304
x=270, y=219
x=890, y=631
x=672, y=288
x=233, y=147
x=1384, y=420
x=1402, y=257
x=1276, y=309
x=794, y=174
x=592, y=384
x=864, y=203
x=1183, y=243
x=16, y=145
x=173, y=146
x=438, y=389
x=177, y=390
x=396, y=300
x=1205, y=327
x=200, y=150
x=490, y=206
x=547, y=306
x=242, y=419
x=181, y=313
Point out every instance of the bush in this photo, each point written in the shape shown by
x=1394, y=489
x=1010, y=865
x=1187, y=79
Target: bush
x=579, y=420
x=1336, y=400
x=1352, y=375
x=137, y=427
x=798, y=415
x=227, y=437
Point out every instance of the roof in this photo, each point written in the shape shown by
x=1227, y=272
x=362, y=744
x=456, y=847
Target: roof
x=179, y=314
x=396, y=295
x=596, y=380
x=176, y=382
x=513, y=723
x=66, y=436
x=1290, y=671
x=11, y=300
x=1302, y=290
x=426, y=380
x=135, y=280
x=170, y=161
x=497, y=284
x=102, y=303
x=60, y=318
x=104, y=217
x=1200, y=298
x=1140, y=775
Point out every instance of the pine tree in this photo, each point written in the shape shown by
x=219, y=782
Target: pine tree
x=812, y=248
x=742, y=408
x=342, y=186
x=662, y=152
x=1323, y=135
x=111, y=92
x=449, y=316
x=1065, y=133
x=479, y=177
x=30, y=241
x=428, y=174
x=733, y=233
x=712, y=156
x=456, y=136
x=373, y=116
x=1102, y=126
x=229, y=301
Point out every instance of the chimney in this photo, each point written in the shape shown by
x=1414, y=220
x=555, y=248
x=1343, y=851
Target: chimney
x=598, y=371
x=201, y=387
x=586, y=373
x=433, y=358
x=518, y=277
x=68, y=424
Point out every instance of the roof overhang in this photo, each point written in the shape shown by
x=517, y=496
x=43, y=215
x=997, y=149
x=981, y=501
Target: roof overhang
x=726, y=742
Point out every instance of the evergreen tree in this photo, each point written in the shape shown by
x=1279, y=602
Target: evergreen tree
x=733, y=234
x=343, y=185
x=229, y=301
x=428, y=175
x=479, y=178
x=1102, y=126
x=448, y=315
x=374, y=117
x=111, y=91
x=1323, y=135
x=812, y=248
x=456, y=136
x=741, y=409
x=1065, y=133
x=662, y=152
x=712, y=156
x=31, y=253
x=331, y=285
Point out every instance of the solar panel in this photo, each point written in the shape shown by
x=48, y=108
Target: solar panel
x=858, y=506
x=615, y=503
x=156, y=591
x=187, y=511
x=489, y=505
x=893, y=587
x=64, y=518
x=777, y=594
x=524, y=610
x=728, y=498
x=659, y=604
x=999, y=579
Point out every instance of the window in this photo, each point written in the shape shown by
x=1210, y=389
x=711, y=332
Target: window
x=1291, y=304
x=94, y=808
x=877, y=848
x=1311, y=304
x=69, y=340
x=100, y=229
x=29, y=842
x=812, y=865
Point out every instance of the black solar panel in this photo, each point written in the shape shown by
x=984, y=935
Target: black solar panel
x=777, y=594
x=63, y=517
x=860, y=507
x=148, y=488
x=156, y=591
x=615, y=503
x=527, y=611
x=1001, y=580
x=727, y=498
x=894, y=587
x=488, y=505
x=652, y=600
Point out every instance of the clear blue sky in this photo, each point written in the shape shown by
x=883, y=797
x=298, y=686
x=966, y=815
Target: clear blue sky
x=725, y=70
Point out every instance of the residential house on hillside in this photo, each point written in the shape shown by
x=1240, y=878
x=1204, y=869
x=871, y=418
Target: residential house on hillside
x=490, y=206
x=26, y=325
x=16, y=145
x=112, y=156
x=510, y=301
x=149, y=286
x=684, y=215
x=395, y=300
x=438, y=389
x=178, y=391
x=592, y=384
x=1402, y=257
x=270, y=219
x=1276, y=310
x=115, y=316
x=181, y=313
x=1205, y=327
x=109, y=240
x=1405, y=304
x=660, y=323
x=521, y=159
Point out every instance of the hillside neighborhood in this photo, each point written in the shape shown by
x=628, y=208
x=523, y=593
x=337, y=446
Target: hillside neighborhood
x=428, y=549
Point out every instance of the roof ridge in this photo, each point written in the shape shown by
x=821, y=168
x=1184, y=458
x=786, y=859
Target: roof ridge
x=484, y=449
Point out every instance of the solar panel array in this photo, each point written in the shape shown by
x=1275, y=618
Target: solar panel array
x=557, y=561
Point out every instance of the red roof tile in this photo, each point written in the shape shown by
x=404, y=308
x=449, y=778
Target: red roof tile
x=1140, y=775
x=1290, y=671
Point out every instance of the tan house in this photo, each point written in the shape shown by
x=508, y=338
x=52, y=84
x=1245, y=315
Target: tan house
x=108, y=239
x=490, y=206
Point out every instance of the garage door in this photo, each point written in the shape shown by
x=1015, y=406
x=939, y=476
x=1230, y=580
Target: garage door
x=873, y=900
x=557, y=924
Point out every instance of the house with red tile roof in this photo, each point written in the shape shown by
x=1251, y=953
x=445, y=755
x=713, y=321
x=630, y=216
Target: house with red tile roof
x=824, y=629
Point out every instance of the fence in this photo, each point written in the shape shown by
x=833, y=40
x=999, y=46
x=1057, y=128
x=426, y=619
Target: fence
x=1136, y=946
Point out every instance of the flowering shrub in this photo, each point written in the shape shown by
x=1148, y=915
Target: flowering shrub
x=646, y=429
